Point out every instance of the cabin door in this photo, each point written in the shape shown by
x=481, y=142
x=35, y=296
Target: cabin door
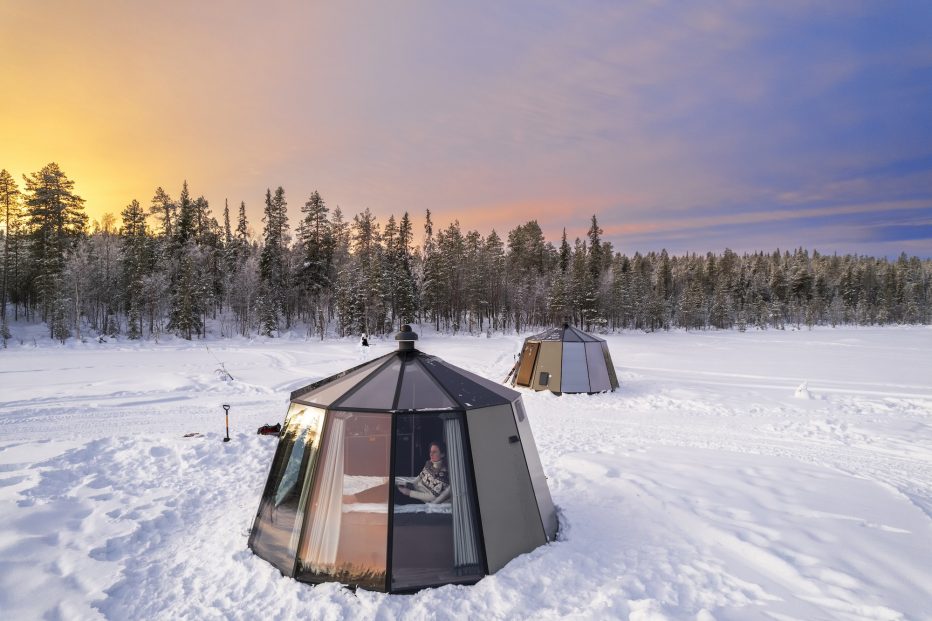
x=528, y=358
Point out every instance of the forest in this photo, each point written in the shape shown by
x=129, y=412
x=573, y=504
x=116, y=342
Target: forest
x=173, y=266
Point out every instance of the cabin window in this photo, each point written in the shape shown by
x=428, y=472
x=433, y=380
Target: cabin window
x=284, y=503
x=346, y=530
x=435, y=530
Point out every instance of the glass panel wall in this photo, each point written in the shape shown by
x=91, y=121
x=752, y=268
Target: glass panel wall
x=419, y=390
x=436, y=532
x=281, y=511
x=575, y=372
x=612, y=377
x=378, y=391
x=598, y=373
x=345, y=537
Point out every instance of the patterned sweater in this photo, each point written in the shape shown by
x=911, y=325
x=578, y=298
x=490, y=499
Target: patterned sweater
x=435, y=479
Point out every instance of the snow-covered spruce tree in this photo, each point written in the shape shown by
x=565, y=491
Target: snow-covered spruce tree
x=691, y=299
x=183, y=228
x=367, y=294
x=58, y=315
x=244, y=292
x=11, y=218
x=451, y=256
x=241, y=278
x=135, y=261
x=661, y=282
x=315, y=274
x=581, y=289
x=272, y=264
x=57, y=221
x=405, y=292
x=185, y=314
x=621, y=293
x=474, y=282
x=350, y=307
x=592, y=313
x=164, y=210
x=530, y=260
x=202, y=223
x=496, y=281
x=431, y=284
x=16, y=253
x=391, y=269
x=83, y=280
x=229, y=255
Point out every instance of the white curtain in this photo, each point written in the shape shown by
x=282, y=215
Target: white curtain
x=324, y=536
x=465, y=549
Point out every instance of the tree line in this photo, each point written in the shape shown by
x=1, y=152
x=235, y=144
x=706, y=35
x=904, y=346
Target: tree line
x=173, y=265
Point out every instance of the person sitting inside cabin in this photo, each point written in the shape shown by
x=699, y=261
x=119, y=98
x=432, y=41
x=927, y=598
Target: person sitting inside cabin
x=432, y=485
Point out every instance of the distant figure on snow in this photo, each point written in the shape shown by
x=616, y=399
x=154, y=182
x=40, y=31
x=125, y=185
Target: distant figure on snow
x=365, y=347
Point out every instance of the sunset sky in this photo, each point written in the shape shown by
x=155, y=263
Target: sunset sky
x=753, y=125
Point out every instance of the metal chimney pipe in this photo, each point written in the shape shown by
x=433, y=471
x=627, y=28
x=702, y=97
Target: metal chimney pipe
x=406, y=338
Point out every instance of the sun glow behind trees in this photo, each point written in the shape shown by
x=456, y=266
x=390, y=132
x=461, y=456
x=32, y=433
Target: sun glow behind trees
x=172, y=267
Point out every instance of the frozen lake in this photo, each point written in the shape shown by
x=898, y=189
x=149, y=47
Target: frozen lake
x=708, y=487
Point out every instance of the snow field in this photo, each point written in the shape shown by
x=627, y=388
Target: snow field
x=703, y=489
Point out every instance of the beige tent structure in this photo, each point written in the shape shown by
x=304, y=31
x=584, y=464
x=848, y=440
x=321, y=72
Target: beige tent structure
x=565, y=360
x=347, y=498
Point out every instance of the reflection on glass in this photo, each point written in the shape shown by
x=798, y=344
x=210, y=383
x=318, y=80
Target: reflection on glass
x=598, y=371
x=345, y=536
x=435, y=539
x=419, y=390
x=281, y=511
x=575, y=372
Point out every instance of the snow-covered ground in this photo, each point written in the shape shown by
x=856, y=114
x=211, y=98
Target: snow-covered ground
x=712, y=485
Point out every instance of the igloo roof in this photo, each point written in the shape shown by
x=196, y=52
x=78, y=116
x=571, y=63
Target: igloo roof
x=565, y=333
x=404, y=380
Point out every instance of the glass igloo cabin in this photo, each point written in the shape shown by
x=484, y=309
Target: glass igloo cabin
x=565, y=360
x=403, y=473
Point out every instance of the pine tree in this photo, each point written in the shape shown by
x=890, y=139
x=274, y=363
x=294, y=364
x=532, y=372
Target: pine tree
x=185, y=314
x=272, y=266
x=164, y=211
x=365, y=286
x=661, y=294
x=431, y=282
x=595, y=249
x=564, y=253
x=57, y=218
x=496, y=279
x=227, y=231
x=316, y=249
x=405, y=292
x=185, y=227
x=134, y=263
x=202, y=219
x=11, y=214
x=242, y=226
